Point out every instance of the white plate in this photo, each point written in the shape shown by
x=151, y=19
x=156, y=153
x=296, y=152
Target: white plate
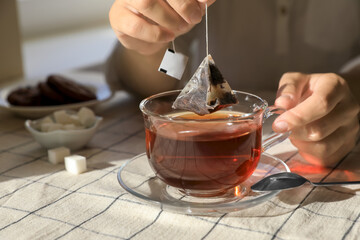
x=93, y=80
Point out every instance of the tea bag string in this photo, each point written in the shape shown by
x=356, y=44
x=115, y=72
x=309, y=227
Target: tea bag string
x=206, y=29
x=173, y=45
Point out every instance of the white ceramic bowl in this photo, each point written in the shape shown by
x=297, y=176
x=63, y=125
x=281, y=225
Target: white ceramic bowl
x=72, y=139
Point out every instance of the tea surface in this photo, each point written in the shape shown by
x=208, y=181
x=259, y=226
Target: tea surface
x=204, y=155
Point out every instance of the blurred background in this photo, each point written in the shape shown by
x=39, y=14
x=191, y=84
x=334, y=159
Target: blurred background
x=62, y=35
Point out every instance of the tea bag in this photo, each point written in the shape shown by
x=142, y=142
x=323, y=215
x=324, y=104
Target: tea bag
x=206, y=92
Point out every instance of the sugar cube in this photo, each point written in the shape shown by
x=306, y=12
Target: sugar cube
x=57, y=155
x=46, y=120
x=86, y=116
x=69, y=127
x=79, y=127
x=62, y=117
x=49, y=127
x=74, y=118
x=75, y=164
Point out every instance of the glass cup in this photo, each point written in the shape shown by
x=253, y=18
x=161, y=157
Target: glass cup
x=206, y=156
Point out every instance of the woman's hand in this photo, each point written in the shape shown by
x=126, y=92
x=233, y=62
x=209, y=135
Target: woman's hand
x=147, y=26
x=322, y=115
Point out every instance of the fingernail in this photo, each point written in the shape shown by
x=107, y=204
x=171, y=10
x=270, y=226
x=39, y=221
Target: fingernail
x=285, y=97
x=281, y=126
x=282, y=98
x=285, y=101
x=195, y=16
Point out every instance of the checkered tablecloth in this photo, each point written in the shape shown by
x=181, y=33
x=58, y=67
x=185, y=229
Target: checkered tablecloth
x=39, y=200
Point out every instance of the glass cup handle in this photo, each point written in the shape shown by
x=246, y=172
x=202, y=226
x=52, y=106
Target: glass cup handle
x=274, y=138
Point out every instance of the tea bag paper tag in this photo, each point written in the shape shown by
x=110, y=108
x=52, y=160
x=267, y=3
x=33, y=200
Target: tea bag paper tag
x=173, y=64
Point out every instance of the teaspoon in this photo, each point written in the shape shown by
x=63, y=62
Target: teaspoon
x=287, y=180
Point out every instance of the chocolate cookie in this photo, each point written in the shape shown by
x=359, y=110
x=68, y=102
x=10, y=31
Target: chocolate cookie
x=51, y=96
x=70, y=89
x=25, y=96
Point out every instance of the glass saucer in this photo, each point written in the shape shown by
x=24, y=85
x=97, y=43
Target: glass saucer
x=137, y=177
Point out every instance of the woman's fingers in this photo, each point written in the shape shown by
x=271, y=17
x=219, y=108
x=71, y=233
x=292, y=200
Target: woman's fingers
x=321, y=115
x=342, y=115
x=135, y=26
x=290, y=89
x=159, y=12
x=332, y=148
x=317, y=97
x=146, y=25
x=189, y=10
x=140, y=46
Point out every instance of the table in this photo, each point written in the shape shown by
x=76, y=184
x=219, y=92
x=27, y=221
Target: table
x=39, y=200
